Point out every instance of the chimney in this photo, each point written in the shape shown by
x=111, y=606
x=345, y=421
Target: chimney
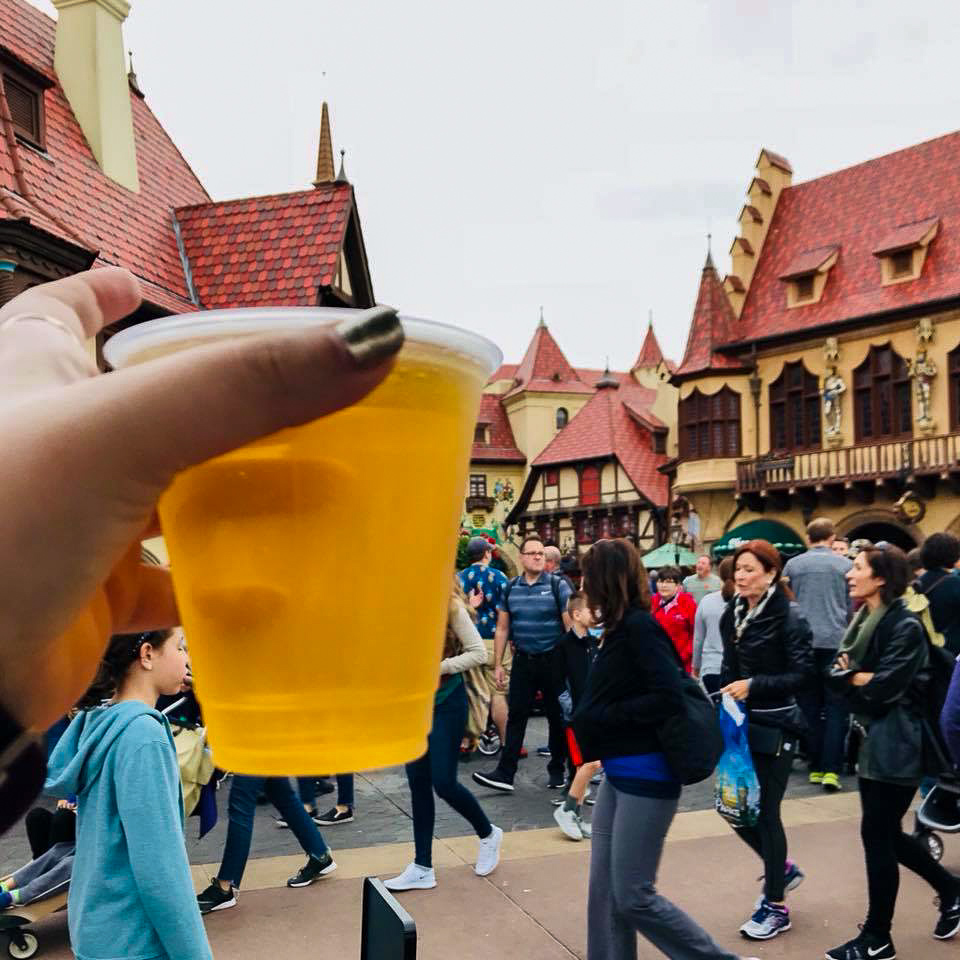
x=89, y=61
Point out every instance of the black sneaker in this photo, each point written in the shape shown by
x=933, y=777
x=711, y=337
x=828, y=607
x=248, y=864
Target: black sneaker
x=494, y=779
x=864, y=947
x=334, y=816
x=325, y=786
x=283, y=825
x=215, y=898
x=544, y=752
x=557, y=781
x=949, y=923
x=313, y=870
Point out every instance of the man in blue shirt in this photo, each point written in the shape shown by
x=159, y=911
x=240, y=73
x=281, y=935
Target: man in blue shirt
x=484, y=586
x=533, y=617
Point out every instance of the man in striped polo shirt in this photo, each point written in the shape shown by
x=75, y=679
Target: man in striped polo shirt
x=533, y=617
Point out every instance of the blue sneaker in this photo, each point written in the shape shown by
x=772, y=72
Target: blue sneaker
x=793, y=877
x=767, y=922
x=543, y=752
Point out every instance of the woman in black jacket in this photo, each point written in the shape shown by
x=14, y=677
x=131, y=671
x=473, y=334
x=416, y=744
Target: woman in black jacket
x=883, y=668
x=767, y=660
x=634, y=686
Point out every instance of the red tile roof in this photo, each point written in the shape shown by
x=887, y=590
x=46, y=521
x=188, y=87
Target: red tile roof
x=713, y=323
x=266, y=250
x=76, y=200
x=502, y=447
x=857, y=209
x=906, y=236
x=544, y=368
x=607, y=427
x=807, y=261
x=777, y=160
x=650, y=353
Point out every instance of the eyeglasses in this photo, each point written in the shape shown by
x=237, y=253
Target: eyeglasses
x=528, y=553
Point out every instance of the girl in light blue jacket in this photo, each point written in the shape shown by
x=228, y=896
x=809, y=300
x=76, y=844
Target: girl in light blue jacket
x=131, y=894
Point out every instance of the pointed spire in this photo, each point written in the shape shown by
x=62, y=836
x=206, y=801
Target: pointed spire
x=709, y=263
x=542, y=323
x=714, y=323
x=650, y=355
x=342, y=172
x=608, y=380
x=324, y=150
x=545, y=364
x=132, y=76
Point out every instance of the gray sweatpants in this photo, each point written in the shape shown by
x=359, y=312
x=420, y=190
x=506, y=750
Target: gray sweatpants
x=628, y=835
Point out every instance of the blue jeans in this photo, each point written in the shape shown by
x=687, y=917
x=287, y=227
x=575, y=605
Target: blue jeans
x=242, y=806
x=436, y=771
x=307, y=787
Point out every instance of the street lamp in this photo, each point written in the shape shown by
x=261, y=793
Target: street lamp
x=676, y=529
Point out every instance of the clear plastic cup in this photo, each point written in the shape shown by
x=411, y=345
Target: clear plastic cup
x=313, y=568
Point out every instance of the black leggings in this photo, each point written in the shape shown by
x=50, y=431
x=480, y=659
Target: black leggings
x=767, y=837
x=885, y=845
x=46, y=828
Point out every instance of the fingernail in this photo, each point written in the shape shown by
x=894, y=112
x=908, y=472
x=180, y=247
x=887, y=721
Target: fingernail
x=372, y=336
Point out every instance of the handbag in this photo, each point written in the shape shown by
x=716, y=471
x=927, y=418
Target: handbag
x=763, y=740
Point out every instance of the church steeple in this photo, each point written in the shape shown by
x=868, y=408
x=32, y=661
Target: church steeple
x=325, y=172
x=650, y=356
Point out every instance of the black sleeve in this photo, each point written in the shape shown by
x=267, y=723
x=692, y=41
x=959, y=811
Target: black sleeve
x=799, y=671
x=730, y=668
x=901, y=657
x=655, y=660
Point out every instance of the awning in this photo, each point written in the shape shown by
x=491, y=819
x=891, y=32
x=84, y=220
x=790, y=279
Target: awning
x=779, y=534
x=669, y=555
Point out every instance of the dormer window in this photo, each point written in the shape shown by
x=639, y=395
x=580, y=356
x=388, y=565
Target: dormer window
x=806, y=275
x=804, y=287
x=24, y=95
x=904, y=250
x=480, y=433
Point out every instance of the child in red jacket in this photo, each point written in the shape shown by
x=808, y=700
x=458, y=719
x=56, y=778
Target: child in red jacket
x=674, y=609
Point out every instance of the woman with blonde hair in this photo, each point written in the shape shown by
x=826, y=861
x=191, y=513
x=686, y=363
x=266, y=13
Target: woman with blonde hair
x=436, y=770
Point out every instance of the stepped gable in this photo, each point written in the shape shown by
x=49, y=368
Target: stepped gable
x=713, y=324
x=862, y=210
x=607, y=426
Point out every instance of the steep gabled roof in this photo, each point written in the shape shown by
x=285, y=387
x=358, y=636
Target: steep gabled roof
x=545, y=368
x=502, y=447
x=650, y=353
x=861, y=210
x=607, y=427
x=276, y=250
x=69, y=195
x=713, y=324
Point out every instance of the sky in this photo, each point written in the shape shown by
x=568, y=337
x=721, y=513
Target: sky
x=513, y=155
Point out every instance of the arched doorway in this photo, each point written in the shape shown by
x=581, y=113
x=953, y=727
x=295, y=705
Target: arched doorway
x=876, y=525
x=890, y=532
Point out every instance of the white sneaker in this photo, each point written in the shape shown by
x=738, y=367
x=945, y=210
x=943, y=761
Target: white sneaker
x=488, y=854
x=414, y=877
x=568, y=822
x=585, y=828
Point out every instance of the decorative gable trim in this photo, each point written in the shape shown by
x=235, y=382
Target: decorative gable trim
x=903, y=251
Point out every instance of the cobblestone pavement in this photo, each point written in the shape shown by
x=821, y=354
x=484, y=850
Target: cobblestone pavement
x=383, y=810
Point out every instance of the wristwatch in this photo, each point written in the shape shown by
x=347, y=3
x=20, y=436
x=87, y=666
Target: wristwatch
x=23, y=767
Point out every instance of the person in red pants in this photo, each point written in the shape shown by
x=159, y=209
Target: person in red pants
x=675, y=609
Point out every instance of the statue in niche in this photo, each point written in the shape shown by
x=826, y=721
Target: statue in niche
x=922, y=370
x=833, y=389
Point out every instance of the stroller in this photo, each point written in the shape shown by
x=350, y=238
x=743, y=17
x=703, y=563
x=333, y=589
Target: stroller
x=20, y=942
x=939, y=812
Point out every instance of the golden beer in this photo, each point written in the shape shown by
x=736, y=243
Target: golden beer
x=312, y=569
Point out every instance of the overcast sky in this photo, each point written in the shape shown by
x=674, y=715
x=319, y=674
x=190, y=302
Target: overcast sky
x=508, y=155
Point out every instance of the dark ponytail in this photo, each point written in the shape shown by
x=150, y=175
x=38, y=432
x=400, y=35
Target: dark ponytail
x=122, y=652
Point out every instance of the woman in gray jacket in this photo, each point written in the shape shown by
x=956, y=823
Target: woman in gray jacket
x=707, y=640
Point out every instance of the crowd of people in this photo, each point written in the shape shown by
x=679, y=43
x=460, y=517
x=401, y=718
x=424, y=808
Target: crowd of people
x=831, y=655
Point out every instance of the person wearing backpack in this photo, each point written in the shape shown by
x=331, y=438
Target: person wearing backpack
x=633, y=691
x=883, y=669
x=533, y=617
x=767, y=661
x=939, y=554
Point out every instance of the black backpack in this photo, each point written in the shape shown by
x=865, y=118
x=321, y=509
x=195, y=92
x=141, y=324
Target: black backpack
x=691, y=740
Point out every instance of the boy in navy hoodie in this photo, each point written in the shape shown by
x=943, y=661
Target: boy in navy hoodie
x=578, y=649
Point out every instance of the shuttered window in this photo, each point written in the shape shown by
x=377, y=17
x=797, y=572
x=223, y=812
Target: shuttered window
x=26, y=109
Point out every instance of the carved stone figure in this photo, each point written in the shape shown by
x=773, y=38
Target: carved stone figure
x=833, y=388
x=922, y=369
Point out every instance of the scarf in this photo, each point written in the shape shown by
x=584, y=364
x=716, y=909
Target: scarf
x=743, y=614
x=856, y=640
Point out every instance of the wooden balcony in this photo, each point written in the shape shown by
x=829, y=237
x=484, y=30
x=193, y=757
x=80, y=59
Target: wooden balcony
x=475, y=502
x=918, y=462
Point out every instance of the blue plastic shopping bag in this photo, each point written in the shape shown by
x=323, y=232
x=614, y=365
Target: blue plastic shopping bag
x=736, y=790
